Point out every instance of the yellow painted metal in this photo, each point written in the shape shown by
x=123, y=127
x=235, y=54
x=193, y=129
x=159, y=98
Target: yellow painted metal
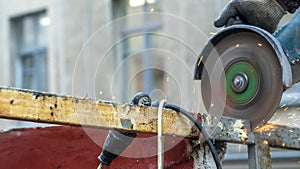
x=57, y=109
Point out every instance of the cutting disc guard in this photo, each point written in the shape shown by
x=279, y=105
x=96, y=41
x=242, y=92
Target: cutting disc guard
x=242, y=78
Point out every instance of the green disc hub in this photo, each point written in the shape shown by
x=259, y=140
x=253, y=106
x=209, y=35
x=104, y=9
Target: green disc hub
x=241, y=83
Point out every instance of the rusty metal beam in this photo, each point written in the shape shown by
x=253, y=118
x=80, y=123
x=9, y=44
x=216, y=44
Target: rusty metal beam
x=279, y=136
x=57, y=109
x=259, y=156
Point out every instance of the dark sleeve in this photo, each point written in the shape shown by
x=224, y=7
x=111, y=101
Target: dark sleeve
x=289, y=5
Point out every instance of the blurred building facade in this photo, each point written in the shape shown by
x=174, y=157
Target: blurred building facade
x=107, y=49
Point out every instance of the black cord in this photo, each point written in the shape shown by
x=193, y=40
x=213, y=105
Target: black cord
x=201, y=129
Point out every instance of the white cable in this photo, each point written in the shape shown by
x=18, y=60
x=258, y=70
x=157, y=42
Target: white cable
x=160, y=137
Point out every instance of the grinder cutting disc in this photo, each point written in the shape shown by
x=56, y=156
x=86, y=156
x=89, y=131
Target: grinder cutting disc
x=242, y=78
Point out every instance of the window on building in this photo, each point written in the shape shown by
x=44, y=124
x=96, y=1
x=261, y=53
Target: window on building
x=29, y=35
x=137, y=44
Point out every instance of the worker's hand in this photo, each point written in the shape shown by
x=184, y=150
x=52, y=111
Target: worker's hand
x=265, y=14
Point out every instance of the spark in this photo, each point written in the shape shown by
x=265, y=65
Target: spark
x=151, y=9
x=100, y=92
x=259, y=44
x=200, y=60
x=212, y=33
x=283, y=144
x=265, y=142
x=237, y=45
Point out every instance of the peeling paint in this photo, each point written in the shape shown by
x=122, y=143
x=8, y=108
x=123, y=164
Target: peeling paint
x=238, y=127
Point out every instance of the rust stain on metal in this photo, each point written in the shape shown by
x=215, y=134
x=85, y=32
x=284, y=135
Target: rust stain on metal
x=264, y=156
x=279, y=136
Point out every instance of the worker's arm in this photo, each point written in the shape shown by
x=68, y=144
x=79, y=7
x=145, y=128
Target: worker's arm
x=265, y=14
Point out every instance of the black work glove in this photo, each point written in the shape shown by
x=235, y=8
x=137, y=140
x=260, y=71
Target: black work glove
x=265, y=14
